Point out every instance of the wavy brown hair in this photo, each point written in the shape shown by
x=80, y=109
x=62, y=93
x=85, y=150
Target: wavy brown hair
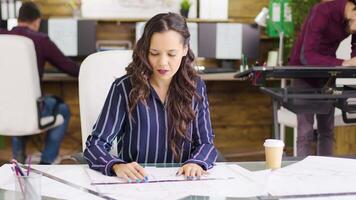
x=182, y=88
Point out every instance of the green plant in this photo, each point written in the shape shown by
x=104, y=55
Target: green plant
x=300, y=10
x=185, y=5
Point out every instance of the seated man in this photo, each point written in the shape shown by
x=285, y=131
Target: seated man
x=28, y=25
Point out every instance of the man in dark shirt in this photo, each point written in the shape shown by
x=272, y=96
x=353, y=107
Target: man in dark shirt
x=327, y=25
x=28, y=25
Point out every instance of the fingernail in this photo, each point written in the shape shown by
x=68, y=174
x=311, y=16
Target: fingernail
x=138, y=180
x=146, y=178
x=129, y=180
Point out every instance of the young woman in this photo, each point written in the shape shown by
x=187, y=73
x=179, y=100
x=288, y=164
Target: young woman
x=158, y=112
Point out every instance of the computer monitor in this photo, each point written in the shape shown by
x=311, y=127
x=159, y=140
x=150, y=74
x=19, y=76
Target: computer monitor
x=228, y=41
x=74, y=37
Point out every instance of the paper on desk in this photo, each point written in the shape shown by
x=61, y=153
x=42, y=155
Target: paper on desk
x=314, y=175
x=165, y=174
x=325, y=198
x=230, y=180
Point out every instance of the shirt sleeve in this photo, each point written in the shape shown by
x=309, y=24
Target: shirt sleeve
x=55, y=56
x=310, y=54
x=204, y=152
x=107, y=128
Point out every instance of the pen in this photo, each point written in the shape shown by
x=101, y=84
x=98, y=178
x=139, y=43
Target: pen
x=18, y=167
x=18, y=178
x=29, y=166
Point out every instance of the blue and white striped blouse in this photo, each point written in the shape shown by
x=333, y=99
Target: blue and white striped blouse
x=143, y=137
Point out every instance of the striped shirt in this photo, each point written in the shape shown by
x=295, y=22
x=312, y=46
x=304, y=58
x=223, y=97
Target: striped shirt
x=143, y=136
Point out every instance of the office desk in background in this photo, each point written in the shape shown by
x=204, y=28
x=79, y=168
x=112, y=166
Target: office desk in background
x=62, y=77
x=58, y=77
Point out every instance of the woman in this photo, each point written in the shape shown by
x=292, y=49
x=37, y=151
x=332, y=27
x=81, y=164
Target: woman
x=158, y=112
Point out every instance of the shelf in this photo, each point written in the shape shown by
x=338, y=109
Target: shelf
x=133, y=20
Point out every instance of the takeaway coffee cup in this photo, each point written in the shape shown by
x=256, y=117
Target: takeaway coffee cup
x=273, y=151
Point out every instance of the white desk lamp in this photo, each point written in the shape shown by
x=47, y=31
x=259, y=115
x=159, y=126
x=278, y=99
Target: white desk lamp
x=261, y=20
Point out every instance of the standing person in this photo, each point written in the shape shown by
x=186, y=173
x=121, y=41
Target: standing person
x=158, y=112
x=327, y=25
x=28, y=25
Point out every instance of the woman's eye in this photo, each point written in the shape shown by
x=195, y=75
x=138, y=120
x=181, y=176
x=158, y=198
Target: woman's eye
x=154, y=54
x=171, y=55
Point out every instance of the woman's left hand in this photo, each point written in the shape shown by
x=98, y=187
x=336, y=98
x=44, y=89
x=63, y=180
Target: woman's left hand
x=191, y=170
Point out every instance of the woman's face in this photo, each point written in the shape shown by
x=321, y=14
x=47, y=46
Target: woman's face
x=350, y=14
x=165, y=54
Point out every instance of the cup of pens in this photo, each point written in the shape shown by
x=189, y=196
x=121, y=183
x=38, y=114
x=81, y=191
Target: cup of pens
x=27, y=184
x=28, y=187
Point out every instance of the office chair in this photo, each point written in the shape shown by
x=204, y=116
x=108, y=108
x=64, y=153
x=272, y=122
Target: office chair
x=97, y=72
x=20, y=101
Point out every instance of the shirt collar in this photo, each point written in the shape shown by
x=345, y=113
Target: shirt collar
x=23, y=28
x=155, y=95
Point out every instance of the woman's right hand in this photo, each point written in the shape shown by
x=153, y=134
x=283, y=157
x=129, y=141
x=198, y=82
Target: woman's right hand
x=349, y=62
x=131, y=172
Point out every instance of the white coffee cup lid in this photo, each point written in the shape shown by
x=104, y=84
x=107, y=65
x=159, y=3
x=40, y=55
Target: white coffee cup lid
x=273, y=143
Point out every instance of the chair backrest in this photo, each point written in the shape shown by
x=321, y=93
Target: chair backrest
x=19, y=86
x=97, y=72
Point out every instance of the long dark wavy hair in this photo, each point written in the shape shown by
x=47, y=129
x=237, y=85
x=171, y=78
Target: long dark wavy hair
x=182, y=88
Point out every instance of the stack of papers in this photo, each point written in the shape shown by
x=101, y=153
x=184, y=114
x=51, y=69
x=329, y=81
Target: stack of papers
x=314, y=175
x=223, y=180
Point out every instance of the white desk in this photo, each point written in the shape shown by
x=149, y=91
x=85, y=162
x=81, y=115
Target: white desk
x=302, y=180
x=58, y=190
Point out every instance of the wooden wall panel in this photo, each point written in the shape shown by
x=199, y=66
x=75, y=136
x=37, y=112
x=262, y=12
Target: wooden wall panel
x=68, y=91
x=246, y=10
x=241, y=118
x=55, y=7
x=345, y=140
x=116, y=31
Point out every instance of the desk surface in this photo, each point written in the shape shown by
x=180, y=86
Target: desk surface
x=253, y=166
x=57, y=77
x=313, y=177
x=62, y=77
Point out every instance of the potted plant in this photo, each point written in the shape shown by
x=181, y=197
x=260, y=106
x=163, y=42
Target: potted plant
x=184, y=7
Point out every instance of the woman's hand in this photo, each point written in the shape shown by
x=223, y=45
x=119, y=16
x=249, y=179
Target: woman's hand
x=131, y=172
x=191, y=170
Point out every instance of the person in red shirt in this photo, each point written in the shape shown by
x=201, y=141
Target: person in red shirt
x=28, y=25
x=327, y=25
